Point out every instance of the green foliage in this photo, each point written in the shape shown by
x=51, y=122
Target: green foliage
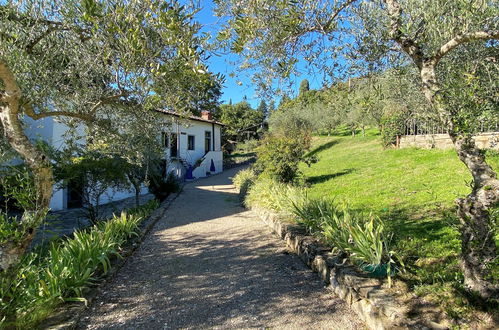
x=248, y=146
x=263, y=109
x=11, y=230
x=364, y=239
x=283, y=148
x=46, y=279
x=311, y=212
x=17, y=188
x=243, y=180
x=268, y=194
x=241, y=120
x=96, y=172
x=279, y=156
x=304, y=87
x=393, y=126
x=162, y=187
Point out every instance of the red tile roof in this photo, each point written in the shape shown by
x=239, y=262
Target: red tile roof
x=191, y=117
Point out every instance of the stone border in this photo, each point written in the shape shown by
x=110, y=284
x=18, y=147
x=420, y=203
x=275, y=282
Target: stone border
x=376, y=306
x=68, y=315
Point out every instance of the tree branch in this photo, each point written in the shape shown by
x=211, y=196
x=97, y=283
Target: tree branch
x=335, y=14
x=34, y=42
x=12, y=90
x=409, y=45
x=90, y=116
x=464, y=38
x=30, y=112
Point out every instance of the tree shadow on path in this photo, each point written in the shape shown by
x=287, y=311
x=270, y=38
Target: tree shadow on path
x=210, y=263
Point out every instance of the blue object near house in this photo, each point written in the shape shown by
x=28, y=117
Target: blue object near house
x=188, y=175
x=212, y=166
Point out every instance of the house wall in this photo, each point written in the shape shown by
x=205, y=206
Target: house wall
x=196, y=128
x=52, y=131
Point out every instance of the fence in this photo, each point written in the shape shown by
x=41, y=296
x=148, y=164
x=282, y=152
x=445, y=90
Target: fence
x=433, y=127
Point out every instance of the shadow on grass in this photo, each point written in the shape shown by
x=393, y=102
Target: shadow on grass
x=327, y=177
x=239, y=155
x=322, y=147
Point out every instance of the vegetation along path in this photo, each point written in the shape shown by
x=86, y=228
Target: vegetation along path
x=211, y=264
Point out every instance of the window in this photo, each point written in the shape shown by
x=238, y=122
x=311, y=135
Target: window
x=173, y=145
x=164, y=139
x=207, y=141
x=190, y=142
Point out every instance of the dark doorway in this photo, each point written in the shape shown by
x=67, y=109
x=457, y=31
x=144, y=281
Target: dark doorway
x=75, y=193
x=173, y=145
x=207, y=141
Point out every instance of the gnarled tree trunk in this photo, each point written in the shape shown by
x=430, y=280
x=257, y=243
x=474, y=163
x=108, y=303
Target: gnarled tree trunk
x=10, y=99
x=478, y=248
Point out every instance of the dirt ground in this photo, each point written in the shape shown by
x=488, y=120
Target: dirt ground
x=209, y=263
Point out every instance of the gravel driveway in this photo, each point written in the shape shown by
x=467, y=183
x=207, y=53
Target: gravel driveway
x=211, y=264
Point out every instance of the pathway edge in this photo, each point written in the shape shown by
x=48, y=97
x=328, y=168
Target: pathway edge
x=68, y=315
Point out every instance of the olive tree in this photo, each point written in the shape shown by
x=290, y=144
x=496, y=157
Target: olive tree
x=450, y=43
x=87, y=63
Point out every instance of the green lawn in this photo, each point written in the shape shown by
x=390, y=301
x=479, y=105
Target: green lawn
x=413, y=190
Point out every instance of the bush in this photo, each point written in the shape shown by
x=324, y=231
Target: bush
x=243, y=180
x=246, y=147
x=161, y=188
x=363, y=238
x=278, y=156
x=310, y=213
x=45, y=279
x=392, y=127
x=96, y=172
x=271, y=195
x=17, y=188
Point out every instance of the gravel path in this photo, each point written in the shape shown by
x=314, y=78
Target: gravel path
x=211, y=264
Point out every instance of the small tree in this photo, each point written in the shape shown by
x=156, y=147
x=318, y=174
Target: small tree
x=97, y=173
x=282, y=149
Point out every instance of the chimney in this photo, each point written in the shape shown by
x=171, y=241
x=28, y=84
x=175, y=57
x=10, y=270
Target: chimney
x=205, y=114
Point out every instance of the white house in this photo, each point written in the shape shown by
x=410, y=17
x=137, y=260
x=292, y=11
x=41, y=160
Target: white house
x=193, y=146
x=192, y=149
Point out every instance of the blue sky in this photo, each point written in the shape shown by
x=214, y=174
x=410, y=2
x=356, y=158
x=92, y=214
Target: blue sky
x=237, y=87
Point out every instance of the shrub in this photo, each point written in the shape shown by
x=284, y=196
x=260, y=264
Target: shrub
x=45, y=279
x=243, y=180
x=278, y=156
x=392, y=127
x=96, y=172
x=363, y=238
x=162, y=187
x=246, y=147
x=310, y=213
x=268, y=194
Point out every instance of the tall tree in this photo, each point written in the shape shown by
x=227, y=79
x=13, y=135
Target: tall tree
x=271, y=106
x=87, y=62
x=450, y=43
x=263, y=108
x=304, y=87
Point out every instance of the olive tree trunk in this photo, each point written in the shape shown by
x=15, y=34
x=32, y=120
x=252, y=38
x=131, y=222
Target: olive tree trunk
x=10, y=104
x=478, y=248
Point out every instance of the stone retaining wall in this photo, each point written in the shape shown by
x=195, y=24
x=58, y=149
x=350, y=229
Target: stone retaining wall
x=375, y=304
x=443, y=141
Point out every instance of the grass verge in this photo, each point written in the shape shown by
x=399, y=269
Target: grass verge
x=413, y=192
x=50, y=276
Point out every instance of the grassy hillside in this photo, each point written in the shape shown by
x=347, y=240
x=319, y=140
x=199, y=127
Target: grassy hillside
x=413, y=190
